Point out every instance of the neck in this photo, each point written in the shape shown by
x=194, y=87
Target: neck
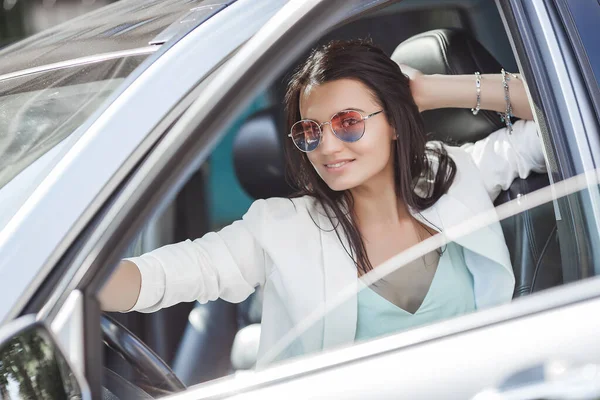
x=378, y=203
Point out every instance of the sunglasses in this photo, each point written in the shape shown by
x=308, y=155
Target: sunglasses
x=347, y=125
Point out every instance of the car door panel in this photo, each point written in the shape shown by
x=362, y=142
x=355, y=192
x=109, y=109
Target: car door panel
x=454, y=367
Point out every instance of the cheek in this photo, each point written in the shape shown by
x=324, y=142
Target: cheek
x=377, y=145
x=313, y=160
x=312, y=157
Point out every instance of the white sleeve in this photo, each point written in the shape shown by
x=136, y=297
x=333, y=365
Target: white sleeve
x=501, y=157
x=228, y=264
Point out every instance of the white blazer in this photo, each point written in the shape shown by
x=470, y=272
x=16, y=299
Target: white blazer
x=301, y=267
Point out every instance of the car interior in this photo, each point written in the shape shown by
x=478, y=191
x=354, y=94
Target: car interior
x=202, y=342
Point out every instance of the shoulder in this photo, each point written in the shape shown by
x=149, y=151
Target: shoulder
x=468, y=185
x=280, y=208
x=275, y=221
x=458, y=154
x=462, y=159
x=466, y=170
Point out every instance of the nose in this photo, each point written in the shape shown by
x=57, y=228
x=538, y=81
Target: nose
x=330, y=144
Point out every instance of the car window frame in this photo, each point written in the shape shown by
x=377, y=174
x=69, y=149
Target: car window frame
x=565, y=116
x=578, y=32
x=156, y=191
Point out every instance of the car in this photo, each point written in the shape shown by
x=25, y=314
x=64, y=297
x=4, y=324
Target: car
x=148, y=122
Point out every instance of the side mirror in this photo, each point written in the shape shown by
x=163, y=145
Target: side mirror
x=32, y=366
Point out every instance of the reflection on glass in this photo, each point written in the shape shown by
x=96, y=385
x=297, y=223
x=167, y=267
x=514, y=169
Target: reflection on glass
x=40, y=117
x=37, y=111
x=32, y=368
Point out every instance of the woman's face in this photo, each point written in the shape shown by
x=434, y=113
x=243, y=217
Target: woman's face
x=344, y=165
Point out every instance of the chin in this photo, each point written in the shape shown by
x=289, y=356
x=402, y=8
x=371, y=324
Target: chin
x=341, y=185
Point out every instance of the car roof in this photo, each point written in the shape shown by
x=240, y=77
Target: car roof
x=121, y=26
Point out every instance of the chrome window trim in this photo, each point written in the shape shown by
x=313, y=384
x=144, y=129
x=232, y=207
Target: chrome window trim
x=81, y=61
x=145, y=101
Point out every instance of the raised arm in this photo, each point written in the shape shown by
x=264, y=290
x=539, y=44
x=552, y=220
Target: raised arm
x=501, y=156
x=459, y=91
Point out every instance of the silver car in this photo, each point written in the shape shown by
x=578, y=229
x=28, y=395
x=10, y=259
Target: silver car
x=151, y=121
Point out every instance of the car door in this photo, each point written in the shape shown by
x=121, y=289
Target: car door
x=543, y=346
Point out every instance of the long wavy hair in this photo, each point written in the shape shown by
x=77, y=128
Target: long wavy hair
x=360, y=60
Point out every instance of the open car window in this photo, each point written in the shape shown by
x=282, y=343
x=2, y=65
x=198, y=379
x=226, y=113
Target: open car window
x=229, y=332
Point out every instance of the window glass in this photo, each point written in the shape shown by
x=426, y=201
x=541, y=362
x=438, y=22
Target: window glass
x=122, y=26
x=227, y=199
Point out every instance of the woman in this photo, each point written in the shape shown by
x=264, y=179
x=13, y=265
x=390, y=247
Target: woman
x=370, y=186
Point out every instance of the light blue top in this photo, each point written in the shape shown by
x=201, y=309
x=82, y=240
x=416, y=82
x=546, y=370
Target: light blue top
x=450, y=294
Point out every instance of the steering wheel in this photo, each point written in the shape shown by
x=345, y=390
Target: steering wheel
x=140, y=356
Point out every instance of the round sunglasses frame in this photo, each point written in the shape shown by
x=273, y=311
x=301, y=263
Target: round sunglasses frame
x=320, y=126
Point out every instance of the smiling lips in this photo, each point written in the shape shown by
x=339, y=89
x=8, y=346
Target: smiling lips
x=337, y=164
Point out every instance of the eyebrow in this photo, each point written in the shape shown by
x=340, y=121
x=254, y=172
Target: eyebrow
x=355, y=109
x=342, y=109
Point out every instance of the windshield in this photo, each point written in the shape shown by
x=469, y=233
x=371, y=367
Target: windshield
x=121, y=26
x=40, y=112
x=52, y=82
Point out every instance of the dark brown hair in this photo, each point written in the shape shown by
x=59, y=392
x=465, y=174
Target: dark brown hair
x=362, y=61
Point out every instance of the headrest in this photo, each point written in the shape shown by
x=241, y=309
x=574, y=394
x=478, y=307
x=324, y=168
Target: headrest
x=451, y=52
x=258, y=155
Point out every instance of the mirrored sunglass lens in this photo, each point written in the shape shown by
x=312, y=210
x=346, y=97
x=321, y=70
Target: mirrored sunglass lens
x=305, y=135
x=348, y=125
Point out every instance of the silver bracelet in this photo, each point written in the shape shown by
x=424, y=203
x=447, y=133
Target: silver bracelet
x=478, y=91
x=507, y=115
